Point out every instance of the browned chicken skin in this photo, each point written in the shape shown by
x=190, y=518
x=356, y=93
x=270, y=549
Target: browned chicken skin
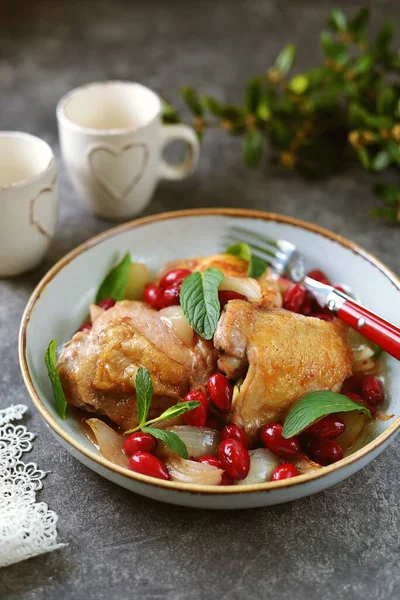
x=98, y=367
x=286, y=355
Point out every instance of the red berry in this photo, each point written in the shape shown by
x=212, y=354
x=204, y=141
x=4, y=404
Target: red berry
x=107, y=303
x=372, y=390
x=234, y=459
x=213, y=423
x=271, y=436
x=328, y=427
x=87, y=326
x=324, y=452
x=171, y=296
x=284, y=471
x=233, y=432
x=225, y=295
x=174, y=278
x=225, y=479
x=307, y=307
x=352, y=384
x=198, y=416
x=147, y=464
x=322, y=316
x=294, y=297
x=220, y=391
x=361, y=400
x=153, y=295
x=319, y=276
x=139, y=441
x=209, y=460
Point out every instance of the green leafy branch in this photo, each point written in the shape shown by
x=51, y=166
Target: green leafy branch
x=318, y=120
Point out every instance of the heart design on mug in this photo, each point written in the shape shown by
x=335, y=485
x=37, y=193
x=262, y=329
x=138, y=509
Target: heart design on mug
x=38, y=205
x=118, y=171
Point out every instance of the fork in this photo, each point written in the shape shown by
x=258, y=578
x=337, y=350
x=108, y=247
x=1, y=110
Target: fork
x=284, y=259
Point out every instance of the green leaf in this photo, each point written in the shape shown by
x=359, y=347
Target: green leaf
x=252, y=147
x=172, y=440
x=298, y=84
x=335, y=50
x=199, y=301
x=253, y=94
x=241, y=249
x=360, y=20
x=385, y=213
x=356, y=115
x=177, y=410
x=285, y=59
x=213, y=106
x=394, y=151
x=114, y=284
x=192, y=100
x=263, y=110
x=51, y=362
x=144, y=394
x=363, y=64
x=169, y=114
x=377, y=350
x=314, y=406
x=385, y=100
x=363, y=155
x=338, y=20
x=388, y=192
x=257, y=267
x=380, y=160
x=384, y=37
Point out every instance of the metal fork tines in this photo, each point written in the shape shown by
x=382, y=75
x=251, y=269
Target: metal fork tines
x=279, y=254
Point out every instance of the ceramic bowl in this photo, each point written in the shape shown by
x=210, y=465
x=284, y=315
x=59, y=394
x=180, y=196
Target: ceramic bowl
x=60, y=304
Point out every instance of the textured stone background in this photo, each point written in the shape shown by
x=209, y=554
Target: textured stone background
x=343, y=543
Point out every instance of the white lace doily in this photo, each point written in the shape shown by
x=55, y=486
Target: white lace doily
x=27, y=528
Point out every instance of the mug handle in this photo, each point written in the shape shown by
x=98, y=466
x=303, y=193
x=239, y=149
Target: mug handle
x=171, y=133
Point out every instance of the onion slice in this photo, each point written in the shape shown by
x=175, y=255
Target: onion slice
x=190, y=471
x=262, y=464
x=110, y=442
x=175, y=319
x=304, y=464
x=199, y=441
x=354, y=423
x=242, y=285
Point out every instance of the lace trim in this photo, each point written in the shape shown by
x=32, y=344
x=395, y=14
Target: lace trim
x=27, y=528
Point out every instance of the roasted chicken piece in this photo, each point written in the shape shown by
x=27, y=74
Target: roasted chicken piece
x=282, y=356
x=98, y=367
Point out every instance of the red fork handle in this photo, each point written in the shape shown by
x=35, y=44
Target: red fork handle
x=374, y=328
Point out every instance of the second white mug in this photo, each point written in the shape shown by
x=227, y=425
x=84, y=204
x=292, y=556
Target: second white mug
x=112, y=139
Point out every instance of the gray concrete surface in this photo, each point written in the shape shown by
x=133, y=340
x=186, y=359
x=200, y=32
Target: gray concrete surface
x=340, y=544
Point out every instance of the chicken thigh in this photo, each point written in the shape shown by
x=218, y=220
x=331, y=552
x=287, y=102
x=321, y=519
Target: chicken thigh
x=282, y=356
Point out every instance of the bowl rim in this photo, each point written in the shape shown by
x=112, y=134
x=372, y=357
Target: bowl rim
x=182, y=487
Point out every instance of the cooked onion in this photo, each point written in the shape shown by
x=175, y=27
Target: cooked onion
x=262, y=465
x=138, y=278
x=190, y=471
x=304, y=464
x=109, y=441
x=175, y=319
x=199, y=441
x=354, y=422
x=242, y=285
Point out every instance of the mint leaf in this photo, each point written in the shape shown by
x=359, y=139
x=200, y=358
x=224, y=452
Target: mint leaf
x=285, y=59
x=172, y=440
x=51, y=361
x=199, y=301
x=176, y=410
x=114, y=284
x=314, y=406
x=144, y=394
x=257, y=265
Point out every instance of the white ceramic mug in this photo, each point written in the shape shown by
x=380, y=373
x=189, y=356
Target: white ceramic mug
x=28, y=201
x=112, y=139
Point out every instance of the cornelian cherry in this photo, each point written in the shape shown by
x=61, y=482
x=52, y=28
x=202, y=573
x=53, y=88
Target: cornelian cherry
x=284, y=471
x=220, y=391
x=234, y=459
x=294, y=297
x=319, y=276
x=153, y=295
x=271, y=436
x=107, y=303
x=174, y=278
x=225, y=479
x=147, y=464
x=171, y=296
x=328, y=427
x=361, y=400
x=233, y=432
x=198, y=416
x=87, y=326
x=209, y=460
x=139, y=441
x=372, y=390
x=324, y=452
x=225, y=295
x=322, y=316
